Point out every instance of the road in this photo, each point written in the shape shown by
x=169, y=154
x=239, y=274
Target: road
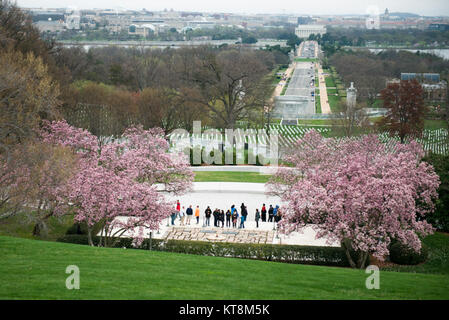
x=302, y=81
x=310, y=50
x=300, y=95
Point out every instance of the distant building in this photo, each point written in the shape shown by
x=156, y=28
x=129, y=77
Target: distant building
x=305, y=20
x=50, y=26
x=435, y=92
x=143, y=30
x=304, y=31
x=439, y=26
x=47, y=16
x=372, y=23
x=201, y=24
x=434, y=88
x=117, y=23
x=73, y=22
x=422, y=77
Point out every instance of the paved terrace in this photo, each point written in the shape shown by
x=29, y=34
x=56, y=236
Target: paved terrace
x=222, y=195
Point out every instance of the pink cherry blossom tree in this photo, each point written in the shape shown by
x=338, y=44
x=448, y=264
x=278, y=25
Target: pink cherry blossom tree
x=360, y=192
x=120, y=184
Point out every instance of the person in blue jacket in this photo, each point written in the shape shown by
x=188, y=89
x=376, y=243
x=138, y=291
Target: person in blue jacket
x=242, y=221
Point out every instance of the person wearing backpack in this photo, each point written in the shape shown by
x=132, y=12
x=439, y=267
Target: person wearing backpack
x=208, y=213
x=242, y=221
x=228, y=218
x=257, y=218
x=270, y=214
x=235, y=216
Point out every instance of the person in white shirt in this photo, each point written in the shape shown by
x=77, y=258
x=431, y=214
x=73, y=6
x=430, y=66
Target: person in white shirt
x=182, y=214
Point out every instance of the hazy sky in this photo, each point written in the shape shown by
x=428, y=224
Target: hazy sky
x=429, y=7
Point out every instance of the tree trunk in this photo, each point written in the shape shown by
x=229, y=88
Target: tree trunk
x=347, y=246
x=89, y=236
x=363, y=258
x=37, y=229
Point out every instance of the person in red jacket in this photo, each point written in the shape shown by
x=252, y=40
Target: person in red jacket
x=264, y=213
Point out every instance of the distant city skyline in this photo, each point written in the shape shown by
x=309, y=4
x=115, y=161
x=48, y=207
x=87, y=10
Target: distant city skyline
x=324, y=7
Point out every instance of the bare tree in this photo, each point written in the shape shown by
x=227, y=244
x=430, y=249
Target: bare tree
x=231, y=82
x=27, y=95
x=350, y=120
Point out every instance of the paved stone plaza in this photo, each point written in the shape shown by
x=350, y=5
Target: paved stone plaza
x=222, y=195
x=220, y=235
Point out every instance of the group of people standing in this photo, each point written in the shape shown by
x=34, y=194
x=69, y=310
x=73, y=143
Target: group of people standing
x=220, y=216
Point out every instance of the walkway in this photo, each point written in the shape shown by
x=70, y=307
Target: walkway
x=324, y=100
x=280, y=86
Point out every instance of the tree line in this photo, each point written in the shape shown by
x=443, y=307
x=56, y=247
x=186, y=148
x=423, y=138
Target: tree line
x=339, y=37
x=370, y=71
x=50, y=168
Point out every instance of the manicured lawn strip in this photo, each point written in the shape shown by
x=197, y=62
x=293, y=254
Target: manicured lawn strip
x=329, y=82
x=32, y=269
x=306, y=59
x=379, y=103
x=316, y=122
x=317, y=105
x=230, y=176
x=334, y=103
x=434, y=124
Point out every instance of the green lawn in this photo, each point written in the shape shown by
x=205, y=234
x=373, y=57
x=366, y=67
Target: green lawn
x=32, y=269
x=230, y=176
x=379, y=103
x=334, y=103
x=435, y=124
x=317, y=104
x=329, y=82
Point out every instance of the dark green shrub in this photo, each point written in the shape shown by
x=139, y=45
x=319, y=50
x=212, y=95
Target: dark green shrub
x=401, y=254
x=440, y=218
x=77, y=239
x=74, y=229
x=330, y=256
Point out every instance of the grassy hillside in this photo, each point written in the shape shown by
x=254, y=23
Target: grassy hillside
x=32, y=269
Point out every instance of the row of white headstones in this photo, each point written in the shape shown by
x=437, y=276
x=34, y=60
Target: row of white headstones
x=436, y=141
